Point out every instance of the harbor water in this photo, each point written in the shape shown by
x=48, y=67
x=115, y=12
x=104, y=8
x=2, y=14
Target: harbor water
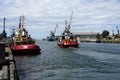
x=91, y=61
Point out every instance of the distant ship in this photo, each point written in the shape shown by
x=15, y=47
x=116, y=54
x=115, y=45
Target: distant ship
x=67, y=39
x=22, y=42
x=51, y=37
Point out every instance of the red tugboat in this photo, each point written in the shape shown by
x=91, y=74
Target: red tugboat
x=67, y=39
x=22, y=42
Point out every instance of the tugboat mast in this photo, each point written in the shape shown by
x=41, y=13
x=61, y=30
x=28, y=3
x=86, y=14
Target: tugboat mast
x=70, y=19
x=22, y=21
x=67, y=26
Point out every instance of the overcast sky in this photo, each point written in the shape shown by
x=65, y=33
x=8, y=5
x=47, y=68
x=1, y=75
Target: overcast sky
x=41, y=16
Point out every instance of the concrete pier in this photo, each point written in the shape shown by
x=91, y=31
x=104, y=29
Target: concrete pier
x=8, y=70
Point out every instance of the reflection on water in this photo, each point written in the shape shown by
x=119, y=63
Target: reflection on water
x=90, y=61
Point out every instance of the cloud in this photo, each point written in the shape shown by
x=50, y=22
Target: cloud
x=43, y=15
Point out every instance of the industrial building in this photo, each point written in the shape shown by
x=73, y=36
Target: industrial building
x=85, y=36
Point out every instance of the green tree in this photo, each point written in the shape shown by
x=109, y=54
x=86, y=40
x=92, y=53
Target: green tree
x=105, y=33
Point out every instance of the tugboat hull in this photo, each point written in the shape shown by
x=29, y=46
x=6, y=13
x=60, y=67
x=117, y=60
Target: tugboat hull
x=49, y=39
x=66, y=45
x=25, y=49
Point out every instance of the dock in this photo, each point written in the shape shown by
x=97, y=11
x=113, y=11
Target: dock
x=8, y=69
